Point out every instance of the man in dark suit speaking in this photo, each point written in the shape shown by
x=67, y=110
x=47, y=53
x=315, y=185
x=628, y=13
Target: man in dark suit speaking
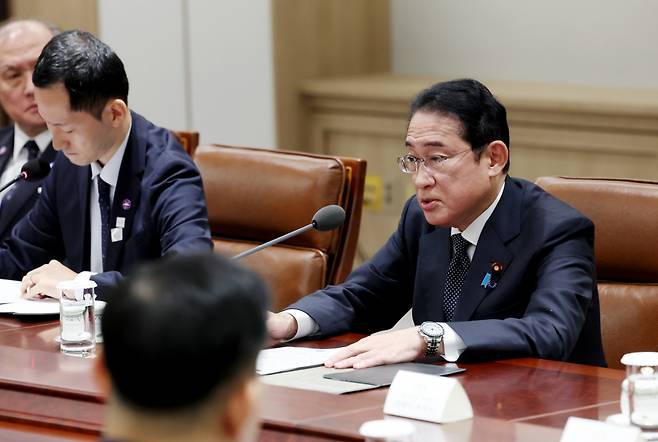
x=21, y=43
x=123, y=192
x=492, y=266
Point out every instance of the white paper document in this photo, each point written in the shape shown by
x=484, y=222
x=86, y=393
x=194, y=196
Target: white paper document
x=277, y=360
x=48, y=306
x=10, y=291
x=11, y=301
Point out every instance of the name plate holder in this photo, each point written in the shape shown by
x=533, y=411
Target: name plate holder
x=428, y=398
x=579, y=429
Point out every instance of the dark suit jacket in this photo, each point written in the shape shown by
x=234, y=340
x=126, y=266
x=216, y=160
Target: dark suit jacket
x=545, y=303
x=159, y=193
x=20, y=200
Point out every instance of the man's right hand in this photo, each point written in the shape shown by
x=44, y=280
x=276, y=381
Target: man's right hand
x=281, y=326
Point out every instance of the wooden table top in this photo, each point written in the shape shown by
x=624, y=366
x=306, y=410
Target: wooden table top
x=45, y=395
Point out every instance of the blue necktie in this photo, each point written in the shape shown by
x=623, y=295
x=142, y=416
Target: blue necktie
x=459, y=264
x=104, y=205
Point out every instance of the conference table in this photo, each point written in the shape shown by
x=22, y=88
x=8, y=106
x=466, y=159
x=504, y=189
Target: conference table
x=48, y=396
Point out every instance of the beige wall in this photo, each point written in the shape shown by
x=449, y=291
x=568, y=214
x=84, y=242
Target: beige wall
x=585, y=42
x=66, y=14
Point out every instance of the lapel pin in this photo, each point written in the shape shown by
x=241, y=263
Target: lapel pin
x=3, y=150
x=491, y=278
x=126, y=204
x=121, y=221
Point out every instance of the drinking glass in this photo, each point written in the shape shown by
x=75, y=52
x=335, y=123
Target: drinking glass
x=76, y=317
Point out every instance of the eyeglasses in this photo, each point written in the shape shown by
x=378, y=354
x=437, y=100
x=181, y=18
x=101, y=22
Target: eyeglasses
x=411, y=164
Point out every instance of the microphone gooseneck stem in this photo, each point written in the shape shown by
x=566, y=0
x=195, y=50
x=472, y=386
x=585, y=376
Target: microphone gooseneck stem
x=274, y=241
x=9, y=184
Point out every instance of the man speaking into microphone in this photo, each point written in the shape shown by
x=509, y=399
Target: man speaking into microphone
x=124, y=191
x=492, y=266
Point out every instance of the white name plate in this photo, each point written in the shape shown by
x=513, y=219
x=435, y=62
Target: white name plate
x=578, y=430
x=427, y=397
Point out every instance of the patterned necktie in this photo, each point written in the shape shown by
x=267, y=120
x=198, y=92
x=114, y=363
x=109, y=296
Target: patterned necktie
x=104, y=205
x=32, y=149
x=459, y=264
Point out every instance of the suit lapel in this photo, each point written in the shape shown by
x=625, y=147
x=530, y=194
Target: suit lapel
x=433, y=261
x=126, y=194
x=503, y=225
x=13, y=203
x=21, y=193
x=6, y=147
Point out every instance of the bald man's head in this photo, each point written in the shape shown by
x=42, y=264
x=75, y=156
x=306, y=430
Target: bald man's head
x=21, y=42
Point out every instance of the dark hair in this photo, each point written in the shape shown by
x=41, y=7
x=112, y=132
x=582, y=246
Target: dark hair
x=179, y=329
x=89, y=69
x=482, y=117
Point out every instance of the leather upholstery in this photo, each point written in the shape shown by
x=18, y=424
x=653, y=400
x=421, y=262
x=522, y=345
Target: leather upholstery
x=256, y=195
x=625, y=213
x=189, y=140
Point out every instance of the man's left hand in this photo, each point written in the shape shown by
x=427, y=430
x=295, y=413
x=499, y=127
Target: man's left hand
x=42, y=281
x=388, y=348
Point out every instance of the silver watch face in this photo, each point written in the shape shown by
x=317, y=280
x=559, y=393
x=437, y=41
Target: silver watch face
x=431, y=329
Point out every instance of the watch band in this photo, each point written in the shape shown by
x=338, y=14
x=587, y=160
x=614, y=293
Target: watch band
x=432, y=348
x=433, y=342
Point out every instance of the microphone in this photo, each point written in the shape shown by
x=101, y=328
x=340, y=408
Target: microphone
x=33, y=170
x=327, y=218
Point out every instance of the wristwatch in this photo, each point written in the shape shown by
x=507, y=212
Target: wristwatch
x=432, y=332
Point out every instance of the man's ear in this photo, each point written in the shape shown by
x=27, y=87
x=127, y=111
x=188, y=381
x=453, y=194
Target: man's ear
x=497, y=156
x=101, y=375
x=114, y=112
x=240, y=407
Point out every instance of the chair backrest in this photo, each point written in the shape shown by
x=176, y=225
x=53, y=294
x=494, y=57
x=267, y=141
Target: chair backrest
x=189, y=140
x=255, y=195
x=625, y=214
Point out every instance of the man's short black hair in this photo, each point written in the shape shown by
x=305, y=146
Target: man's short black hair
x=90, y=70
x=482, y=117
x=178, y=330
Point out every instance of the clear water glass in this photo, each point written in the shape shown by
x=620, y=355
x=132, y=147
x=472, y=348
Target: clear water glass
x=76, y=318
x=640, y=389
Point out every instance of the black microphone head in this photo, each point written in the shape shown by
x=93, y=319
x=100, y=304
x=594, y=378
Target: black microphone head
x=35, y=169
x=328, y=218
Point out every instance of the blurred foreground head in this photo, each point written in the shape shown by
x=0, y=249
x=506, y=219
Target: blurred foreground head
x=181, y=339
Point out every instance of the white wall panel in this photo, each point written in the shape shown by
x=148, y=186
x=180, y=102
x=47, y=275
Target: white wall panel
x=148, y=36
x=232, y=86
x=202, y=65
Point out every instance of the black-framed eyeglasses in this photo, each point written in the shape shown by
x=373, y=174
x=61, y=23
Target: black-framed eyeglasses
x=410, y=163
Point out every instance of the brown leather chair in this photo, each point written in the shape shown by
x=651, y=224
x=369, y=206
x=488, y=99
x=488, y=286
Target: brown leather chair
x=255, y=195
x=625, y=213
x=189, y=140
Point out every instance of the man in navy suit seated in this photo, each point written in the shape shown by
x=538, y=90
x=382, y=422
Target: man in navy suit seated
x=124, y=191
x=492, y=266
x=21, y=42
x=180, y=344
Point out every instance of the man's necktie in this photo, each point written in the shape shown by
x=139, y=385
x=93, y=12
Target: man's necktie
x=104, y=205
x=32, y=149
x=459, y=264
x=32, y=152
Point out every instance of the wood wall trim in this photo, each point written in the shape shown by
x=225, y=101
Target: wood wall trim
x=323, y=38
x=66, y=14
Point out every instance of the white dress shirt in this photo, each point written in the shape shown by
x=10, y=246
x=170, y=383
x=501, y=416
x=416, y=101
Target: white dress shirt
x=453, y=345
x=19, y=155
x=110, y=174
